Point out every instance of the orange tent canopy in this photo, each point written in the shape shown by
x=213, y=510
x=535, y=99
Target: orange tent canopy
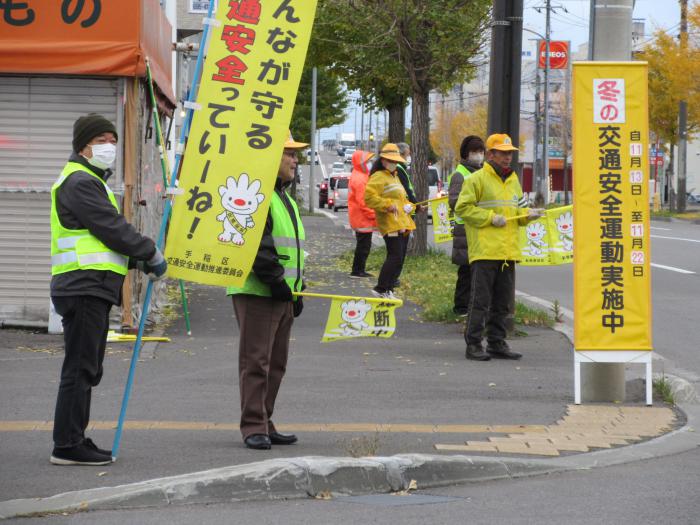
x=94, y=37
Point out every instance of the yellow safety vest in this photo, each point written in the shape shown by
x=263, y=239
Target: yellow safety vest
x=73, y=250
x=289, y=245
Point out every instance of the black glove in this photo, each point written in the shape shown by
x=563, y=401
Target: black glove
x=280, y=291
x=298, y=306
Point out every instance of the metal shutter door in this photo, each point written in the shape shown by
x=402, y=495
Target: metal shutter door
x=36, y=125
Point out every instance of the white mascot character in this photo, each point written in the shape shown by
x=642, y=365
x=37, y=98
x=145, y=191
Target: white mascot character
x=240, y=201
x=443, y=218
x=354, y=313
x=565, y=225
x=535, y=232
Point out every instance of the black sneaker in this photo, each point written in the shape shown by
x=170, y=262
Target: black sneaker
x=79, y=455
x=360, y=275
x=91, y=444
x=501, y=350
x=462, y=312
x=476, y=353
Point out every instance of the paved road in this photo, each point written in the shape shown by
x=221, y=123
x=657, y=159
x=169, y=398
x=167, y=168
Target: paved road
x=675, y=257
x=649, y=492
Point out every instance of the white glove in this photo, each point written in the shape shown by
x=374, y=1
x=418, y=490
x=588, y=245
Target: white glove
x=535, y=213
x=499, y=221
x=407, y=208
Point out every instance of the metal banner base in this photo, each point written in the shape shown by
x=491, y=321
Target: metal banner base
x=613, y=356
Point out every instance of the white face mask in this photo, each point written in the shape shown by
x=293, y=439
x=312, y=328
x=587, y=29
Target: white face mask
x=476, y=157
x=103, y=155
x=408, y=159
x=390, y=166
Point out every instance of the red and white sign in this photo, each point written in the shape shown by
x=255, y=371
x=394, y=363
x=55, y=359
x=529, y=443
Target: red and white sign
x=609, y=100
x=558, y=54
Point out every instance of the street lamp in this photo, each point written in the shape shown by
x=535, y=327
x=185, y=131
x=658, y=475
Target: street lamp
x=543, y=190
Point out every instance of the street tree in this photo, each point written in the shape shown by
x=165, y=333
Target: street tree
x=356, y=48
x=450, y=127
x=426, y=45
x=331, y=103
x=674, y=75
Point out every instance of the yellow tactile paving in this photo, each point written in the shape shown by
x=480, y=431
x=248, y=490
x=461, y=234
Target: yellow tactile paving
x=583, y=428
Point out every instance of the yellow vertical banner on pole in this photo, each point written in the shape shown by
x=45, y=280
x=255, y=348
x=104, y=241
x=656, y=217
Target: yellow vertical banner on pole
x=443, y=221
x=612, y=280
x=247, y=93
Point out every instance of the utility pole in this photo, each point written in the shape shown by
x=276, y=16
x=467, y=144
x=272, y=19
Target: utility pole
x=682, y=118
x=537, y=174
x=362, y=128
x=565, y=126
x=504, y=104
x=544, y=190
x=611, y=41
x=313, y=140
x=506, y=59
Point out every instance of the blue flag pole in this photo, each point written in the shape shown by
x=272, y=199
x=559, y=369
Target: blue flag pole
x=161, y=234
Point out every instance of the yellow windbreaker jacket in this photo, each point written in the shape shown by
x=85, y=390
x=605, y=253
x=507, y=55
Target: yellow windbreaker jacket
x=484, y=194
x=384, y=189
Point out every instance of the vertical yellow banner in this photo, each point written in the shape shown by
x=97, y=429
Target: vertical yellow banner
x=248, y=89
x=612, y=280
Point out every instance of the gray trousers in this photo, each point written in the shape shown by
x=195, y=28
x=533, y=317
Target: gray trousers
x=265, y=326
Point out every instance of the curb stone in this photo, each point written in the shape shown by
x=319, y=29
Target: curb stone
x=285, y=479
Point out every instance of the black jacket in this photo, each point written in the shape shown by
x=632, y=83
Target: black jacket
x=403, y=177
x=82, y=203
x=266, y=265
x=460, y=251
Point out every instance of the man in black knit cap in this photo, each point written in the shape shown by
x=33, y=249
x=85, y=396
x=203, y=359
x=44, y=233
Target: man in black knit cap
x=92, y=249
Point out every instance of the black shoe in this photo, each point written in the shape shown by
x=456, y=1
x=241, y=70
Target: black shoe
x=501, y=350
x=360, y=275
x=462, y=312
x=476, y=353
x=89, y=443
x=258, y=442
x=277, y=438
x=79, y=455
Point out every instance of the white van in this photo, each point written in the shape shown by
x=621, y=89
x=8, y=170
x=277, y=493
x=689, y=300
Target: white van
x=340, y=187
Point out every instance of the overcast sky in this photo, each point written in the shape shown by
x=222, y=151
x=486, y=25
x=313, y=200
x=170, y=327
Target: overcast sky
x=569, y=21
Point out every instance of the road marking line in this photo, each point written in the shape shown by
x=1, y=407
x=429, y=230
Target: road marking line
x=674, y=238
x=671, y=268
x=25, y=426
x=657, y=228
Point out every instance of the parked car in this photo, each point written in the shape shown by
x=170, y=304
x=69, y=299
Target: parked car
x=348, y=154
x=693, y=198
x=338, y=167
x=340, y=188
x=341, y=151
x=323, y=193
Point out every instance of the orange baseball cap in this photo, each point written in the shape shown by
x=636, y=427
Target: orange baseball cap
x=501, y=142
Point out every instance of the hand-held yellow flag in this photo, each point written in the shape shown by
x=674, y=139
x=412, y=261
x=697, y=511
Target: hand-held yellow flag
x=350, y=317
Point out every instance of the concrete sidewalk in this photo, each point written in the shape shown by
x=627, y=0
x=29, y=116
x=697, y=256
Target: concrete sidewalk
x=412, y=401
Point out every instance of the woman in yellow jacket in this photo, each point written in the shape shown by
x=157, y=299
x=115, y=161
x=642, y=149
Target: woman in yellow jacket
x=386, y=195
